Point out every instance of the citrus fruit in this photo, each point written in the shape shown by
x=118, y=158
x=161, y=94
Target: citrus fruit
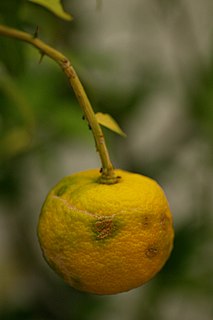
x=106, y=239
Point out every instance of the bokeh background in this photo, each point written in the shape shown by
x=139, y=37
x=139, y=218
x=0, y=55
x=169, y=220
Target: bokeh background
x=149, y=63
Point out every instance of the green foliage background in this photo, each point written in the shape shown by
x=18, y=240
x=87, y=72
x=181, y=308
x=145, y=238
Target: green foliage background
x=149, y=64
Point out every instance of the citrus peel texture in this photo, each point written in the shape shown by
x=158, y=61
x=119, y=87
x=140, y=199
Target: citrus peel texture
x=106, y=239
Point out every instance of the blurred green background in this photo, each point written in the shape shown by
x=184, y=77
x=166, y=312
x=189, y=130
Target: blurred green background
x=150, y=65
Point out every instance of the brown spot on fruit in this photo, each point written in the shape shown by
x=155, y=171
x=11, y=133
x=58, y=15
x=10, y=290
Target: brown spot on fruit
x=104, y=228
x=164, y=220
x=146, y=221
x=151, y=251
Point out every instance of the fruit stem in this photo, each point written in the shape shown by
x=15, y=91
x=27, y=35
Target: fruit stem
x=107, y=172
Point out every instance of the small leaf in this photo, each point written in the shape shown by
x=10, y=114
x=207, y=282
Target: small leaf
x=54, y=6
x=107, y=121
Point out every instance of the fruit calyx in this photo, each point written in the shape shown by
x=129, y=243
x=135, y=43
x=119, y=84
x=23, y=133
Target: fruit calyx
x=108, y=177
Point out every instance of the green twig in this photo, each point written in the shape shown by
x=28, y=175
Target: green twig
x=107, y=176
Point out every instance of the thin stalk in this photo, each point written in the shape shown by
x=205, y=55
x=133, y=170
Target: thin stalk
x=108, y=175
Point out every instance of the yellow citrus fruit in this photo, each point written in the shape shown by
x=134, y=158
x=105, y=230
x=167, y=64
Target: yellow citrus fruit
x=106, y=239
